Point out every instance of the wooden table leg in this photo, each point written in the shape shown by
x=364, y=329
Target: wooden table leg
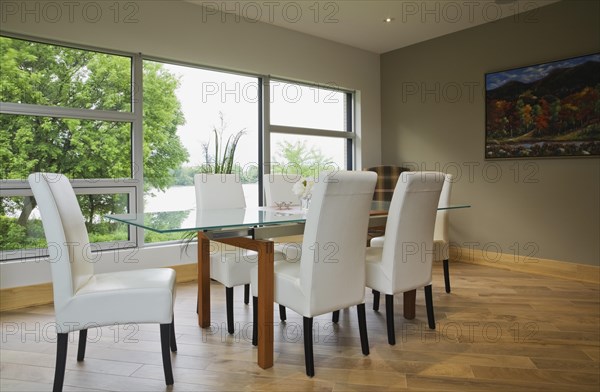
x=265, y=303
x=266, y=283
x=410, y=298
x=203, y=280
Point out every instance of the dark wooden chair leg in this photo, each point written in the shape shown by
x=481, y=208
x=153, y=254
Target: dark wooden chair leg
x=409, y=303
x=246, y=294
x=173, y=341
x=362, y=328
x=446, y=275
x=282, y=313
x=308, y=347
x=165, y=333
x=375, y=300
x=81, y=346
x=62, y=340
x=255, y=321
x=229, y=304
x=389, y=316
x=335, y=317
x=429, y=305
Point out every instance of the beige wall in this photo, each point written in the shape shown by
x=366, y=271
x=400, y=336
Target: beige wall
x=550, y=207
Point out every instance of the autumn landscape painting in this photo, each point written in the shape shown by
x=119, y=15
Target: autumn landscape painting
x=545, y=110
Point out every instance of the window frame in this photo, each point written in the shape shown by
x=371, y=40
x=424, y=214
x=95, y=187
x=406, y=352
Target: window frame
x=80, y=187
x=348, y=134
x=134, y=185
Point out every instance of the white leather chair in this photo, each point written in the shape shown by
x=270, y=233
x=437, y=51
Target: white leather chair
x=331, y=272
x=278, y=188
x=441, y=243
x=229, y=265
x=83, y=299
x=404, y=262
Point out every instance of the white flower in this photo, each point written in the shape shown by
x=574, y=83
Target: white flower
x=303, y=188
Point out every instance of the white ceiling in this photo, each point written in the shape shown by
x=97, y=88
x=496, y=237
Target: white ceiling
x=359, y=23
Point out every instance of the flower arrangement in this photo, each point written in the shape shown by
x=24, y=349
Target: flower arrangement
x=303, y=188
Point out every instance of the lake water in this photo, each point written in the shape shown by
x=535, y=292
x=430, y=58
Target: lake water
x=179, y=198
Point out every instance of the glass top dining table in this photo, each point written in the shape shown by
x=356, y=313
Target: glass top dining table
x=250, y=228
x=220, y=219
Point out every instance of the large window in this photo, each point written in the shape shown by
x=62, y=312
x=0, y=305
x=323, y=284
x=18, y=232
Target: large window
x=70, y=111
x=79, y=111
x=310, y=129
x=219, y=113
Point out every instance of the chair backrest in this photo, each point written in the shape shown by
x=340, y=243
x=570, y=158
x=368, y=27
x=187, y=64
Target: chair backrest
x=64, y=226
x=442, y=218
x=332, y=270
x=387, y=177
x=216, y=191
x=408, y=245
x=278, y=188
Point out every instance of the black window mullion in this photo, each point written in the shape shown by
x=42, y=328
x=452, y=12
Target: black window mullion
x=349, y=128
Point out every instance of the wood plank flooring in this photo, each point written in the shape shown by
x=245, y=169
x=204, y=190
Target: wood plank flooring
x=498, y=330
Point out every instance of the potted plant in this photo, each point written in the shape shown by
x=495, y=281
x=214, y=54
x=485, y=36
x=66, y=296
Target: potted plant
x=222, y=162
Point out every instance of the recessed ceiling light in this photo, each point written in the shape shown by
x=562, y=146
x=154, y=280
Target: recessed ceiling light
x=388, y=20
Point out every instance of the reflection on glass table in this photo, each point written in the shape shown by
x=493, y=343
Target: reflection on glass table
x=206, y=220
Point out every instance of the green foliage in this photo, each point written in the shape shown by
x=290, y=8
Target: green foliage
x=108, y=232
x=163, y=150
x=15, y=236
x=50, y=75
x=298, y=158
x=184, y=175
x=247, y=174
x=57, y=76
x=162, y=220
x=153, y=237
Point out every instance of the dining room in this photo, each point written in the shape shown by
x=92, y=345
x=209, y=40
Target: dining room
x=172, y=123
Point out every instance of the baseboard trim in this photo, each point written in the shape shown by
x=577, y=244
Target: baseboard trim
x=41, y=294
x=546, y=267
x=186, y=272
x=24, y=296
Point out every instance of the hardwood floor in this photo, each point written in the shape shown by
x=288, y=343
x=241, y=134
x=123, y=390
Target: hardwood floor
x=497, y=330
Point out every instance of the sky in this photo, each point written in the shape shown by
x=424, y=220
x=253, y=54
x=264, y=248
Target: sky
x=534, y=72
x=203, y=94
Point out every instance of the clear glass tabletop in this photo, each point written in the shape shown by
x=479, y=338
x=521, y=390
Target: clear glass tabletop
x=380, y=205
x=200, y=220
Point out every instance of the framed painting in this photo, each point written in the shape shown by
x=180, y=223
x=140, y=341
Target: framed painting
x=545, y=110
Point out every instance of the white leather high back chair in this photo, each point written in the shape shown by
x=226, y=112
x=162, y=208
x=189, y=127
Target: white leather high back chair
x=441, y=242
x=229, y=265
x=278, y=188
x=216, y=191
x=83, y=299
x=404, y=262
x=331, y=271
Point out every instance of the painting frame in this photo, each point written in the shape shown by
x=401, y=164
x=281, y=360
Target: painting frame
x=545, y=110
